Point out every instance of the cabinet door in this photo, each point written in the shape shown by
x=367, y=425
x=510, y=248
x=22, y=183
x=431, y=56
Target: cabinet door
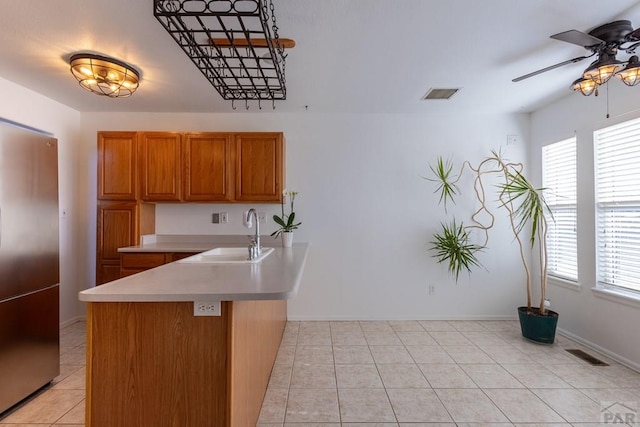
x=117, y=227
x=177, y=256
x=160, y=166
x=259, y=167
x=137, y=262
x=107, y=273
x=207, y=167
x=117, y=166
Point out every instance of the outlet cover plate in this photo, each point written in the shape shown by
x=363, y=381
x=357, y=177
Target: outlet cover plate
x=206, y=308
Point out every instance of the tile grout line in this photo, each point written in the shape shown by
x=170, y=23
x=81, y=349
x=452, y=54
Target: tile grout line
x=395, y=415
x=295, y=351
x=335, y=373
x=425, y=377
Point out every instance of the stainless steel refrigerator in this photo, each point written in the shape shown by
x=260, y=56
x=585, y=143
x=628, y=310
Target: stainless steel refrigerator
x=29, y=263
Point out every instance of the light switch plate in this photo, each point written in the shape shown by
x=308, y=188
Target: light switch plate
x=219, y=217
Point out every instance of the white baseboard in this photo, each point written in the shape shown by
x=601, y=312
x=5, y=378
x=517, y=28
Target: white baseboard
x=595, y=347
x=374, y=318
x=72, y=321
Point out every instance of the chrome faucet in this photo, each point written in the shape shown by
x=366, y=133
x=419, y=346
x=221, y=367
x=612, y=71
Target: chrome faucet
x=254, y=248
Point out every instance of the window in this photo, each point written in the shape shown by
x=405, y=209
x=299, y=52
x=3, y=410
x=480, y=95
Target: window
x=559, y=180
x=617, y=173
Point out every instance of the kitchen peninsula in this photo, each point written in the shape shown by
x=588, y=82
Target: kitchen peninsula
x=151, y=362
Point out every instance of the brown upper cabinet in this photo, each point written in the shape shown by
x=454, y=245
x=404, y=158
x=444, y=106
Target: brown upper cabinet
x=207, y=167
x=117, y=166
x=160, y=177
x=259, y=167
x=191, y=167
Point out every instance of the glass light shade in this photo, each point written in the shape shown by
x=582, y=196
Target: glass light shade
x=584, y=86
x=603, y=69
x=104, y=76
x=630, y=75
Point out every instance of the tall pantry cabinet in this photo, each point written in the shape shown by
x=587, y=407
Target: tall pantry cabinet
x=121, y=217
x=138, y=169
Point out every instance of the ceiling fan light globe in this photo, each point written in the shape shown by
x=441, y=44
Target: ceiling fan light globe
x=630, y=75
x=602, y=69
x=584, y=86
x=602, y=74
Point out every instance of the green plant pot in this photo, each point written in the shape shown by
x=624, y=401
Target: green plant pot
x=537, y=327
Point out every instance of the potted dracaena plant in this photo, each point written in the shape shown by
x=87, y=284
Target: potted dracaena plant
x=286, y=222
x=525, y=208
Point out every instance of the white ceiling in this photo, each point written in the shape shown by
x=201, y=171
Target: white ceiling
x=361, y=56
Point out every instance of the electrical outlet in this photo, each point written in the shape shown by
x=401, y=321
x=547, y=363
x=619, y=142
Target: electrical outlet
x=432, y=290
x=512, y=139
x=224, y=217
x=206, y=308
x=262, y=217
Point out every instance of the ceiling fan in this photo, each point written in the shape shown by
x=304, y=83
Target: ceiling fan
x=604, y=42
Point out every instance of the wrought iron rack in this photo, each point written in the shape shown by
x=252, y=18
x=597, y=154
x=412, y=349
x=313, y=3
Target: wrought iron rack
x=234, y=43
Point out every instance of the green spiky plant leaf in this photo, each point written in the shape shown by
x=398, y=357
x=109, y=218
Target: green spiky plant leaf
x=446, y=185
x=452, y=245
x=528, y=204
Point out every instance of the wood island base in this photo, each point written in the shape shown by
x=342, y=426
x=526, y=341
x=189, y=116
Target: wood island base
x=153, y=364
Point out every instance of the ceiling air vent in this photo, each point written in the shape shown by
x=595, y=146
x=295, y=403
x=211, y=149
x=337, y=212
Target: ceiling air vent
x=440, y=93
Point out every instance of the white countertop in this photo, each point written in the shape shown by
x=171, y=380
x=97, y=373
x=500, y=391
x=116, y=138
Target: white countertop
x=193, y=243
x=278, y=276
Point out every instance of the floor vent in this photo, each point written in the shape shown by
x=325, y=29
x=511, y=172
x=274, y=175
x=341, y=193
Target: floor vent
x=587, y=357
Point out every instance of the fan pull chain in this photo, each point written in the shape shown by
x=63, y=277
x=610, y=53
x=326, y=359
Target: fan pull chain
x=608, y=115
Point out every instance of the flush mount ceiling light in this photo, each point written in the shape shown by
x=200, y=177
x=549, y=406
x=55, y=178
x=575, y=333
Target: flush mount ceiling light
x=234, y=44
x=604, y=42
x=103, y=75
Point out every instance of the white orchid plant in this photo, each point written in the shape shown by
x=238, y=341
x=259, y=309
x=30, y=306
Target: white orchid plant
x=286, y=221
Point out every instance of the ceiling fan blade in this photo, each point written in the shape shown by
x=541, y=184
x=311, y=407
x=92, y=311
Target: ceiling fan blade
x=551, y=67
x=577, y=37
x=633, y=36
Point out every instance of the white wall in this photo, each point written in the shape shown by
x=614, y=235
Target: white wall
x=608, y=324
x=365, y=208
x=30, y=108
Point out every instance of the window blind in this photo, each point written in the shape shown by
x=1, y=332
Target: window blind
x=617, y=173
x=559, y=181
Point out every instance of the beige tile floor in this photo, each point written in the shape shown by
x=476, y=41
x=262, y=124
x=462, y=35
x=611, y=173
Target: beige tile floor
x=397, y=373
x=436, y=373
